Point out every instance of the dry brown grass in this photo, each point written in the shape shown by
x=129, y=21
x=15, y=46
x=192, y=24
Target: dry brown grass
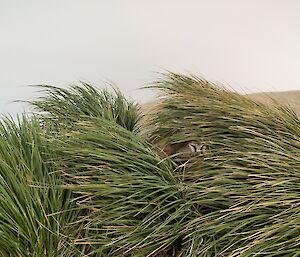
x=291, y=98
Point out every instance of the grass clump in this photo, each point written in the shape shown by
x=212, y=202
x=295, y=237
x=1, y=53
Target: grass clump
x=129, y=197
x=32, y=206
x=63, y=106
x=249, y=180
x=86, y=178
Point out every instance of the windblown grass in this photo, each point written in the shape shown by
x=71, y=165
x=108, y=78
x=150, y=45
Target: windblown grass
x=118, y=182
x=250, y=180
x=88, y=182
x=130, y=197
x=32, y=207
x=63, y=106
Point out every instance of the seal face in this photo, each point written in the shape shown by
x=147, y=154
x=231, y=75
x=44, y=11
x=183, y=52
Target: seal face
x=185, y=150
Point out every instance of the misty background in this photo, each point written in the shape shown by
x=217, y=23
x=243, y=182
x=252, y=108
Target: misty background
x=250, y=46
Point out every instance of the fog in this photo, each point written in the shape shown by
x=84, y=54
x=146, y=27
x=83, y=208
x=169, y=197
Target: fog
x=250, y=46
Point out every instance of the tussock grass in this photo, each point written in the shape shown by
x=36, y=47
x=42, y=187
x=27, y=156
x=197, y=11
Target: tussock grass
x=250, y=180
x=32, y=206
x=130, y=198
x=86, y=178
x=63, y=106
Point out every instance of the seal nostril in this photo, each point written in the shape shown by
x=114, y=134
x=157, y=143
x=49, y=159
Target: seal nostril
x=203, y=147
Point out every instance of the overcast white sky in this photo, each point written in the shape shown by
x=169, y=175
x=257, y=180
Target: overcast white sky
x=251, y=45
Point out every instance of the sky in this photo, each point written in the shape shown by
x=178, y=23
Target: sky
x=250, y=46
